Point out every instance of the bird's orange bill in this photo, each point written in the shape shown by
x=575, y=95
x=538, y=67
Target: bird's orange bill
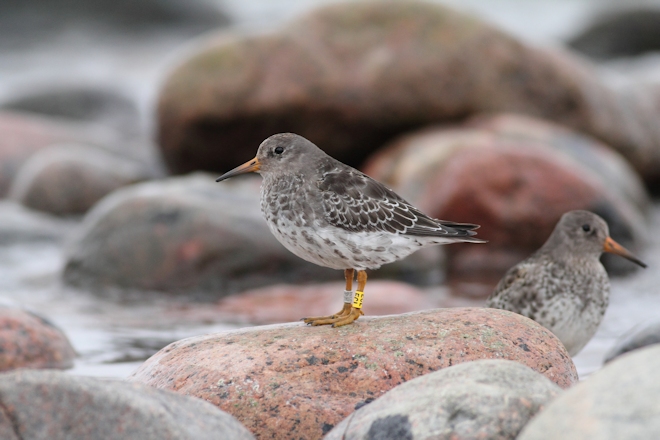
x=250, y=166
x=613, y=247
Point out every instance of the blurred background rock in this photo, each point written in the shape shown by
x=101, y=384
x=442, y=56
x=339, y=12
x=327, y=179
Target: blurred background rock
x=503, y=113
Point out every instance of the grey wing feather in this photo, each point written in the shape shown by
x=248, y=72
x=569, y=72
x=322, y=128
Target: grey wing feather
x=355, y=202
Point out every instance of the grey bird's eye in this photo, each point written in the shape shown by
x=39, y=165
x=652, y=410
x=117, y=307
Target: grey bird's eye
x=279, y=150
x=586, y=228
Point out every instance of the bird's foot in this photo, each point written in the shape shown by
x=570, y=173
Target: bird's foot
x=343, y=312
x=337, y=320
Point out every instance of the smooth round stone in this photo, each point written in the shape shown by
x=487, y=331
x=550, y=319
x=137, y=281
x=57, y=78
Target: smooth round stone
x=489, y=399
x=40, y=405
x=619, y=402
x=294, y=381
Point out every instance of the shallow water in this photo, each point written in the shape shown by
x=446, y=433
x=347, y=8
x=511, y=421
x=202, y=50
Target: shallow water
x=113, y=338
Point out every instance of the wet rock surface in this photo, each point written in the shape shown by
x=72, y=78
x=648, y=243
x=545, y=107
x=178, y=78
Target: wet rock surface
x=638, y=337
x=52, y=406
x=291, y=381
x=30, y=341
x=618, y=402
x=185, y=234
x=490, y=399
x=70, y=179
x=515, y=176
x=347, y=78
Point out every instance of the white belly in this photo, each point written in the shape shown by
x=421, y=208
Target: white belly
x=340, y=249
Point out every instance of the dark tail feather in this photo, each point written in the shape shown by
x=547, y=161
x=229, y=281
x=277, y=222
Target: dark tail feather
x=468, y=228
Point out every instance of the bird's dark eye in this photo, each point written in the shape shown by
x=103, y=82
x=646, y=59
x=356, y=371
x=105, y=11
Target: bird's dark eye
x=279, y=150
x=586, y=228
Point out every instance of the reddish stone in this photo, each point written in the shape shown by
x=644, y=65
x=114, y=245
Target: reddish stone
x=353, y=75
x=29, y=341
x=514, y=176
x=294, y=381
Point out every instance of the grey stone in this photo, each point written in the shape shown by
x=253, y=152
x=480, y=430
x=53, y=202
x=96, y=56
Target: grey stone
x=44, y=405
x=638, y=337
x=185, y=234
x=619, y=402
x=622, y=33
x=26, y=23
x=69, y=179
x=482, y=399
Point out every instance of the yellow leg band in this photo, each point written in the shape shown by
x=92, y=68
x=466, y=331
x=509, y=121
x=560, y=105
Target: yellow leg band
x=357, y=299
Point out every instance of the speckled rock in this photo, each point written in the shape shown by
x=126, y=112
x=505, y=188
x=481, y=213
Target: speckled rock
x=70, y=179
x=515, y=176
x=619, y=402
x=48, y=405
x=30, y=341
x=186, y=234
x=353, y=75
x=293, y=381
x=636, y=338
x=488, y=399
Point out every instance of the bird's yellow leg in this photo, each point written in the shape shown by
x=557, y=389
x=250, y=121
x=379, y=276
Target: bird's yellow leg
x=356, y=307
x=348, y=300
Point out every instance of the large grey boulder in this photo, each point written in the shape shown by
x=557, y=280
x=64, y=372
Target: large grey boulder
x=186, y=234
x=38, y=405
x=619, y=402
x=489, y=399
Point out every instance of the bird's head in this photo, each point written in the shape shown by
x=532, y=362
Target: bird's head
x=585, y=233
x=279, y=154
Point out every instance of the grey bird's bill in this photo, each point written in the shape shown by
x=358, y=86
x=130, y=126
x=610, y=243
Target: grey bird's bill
x=251, y=166
x=613, y=247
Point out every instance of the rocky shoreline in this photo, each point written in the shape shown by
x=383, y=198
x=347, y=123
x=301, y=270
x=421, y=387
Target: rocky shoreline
x=464, y=120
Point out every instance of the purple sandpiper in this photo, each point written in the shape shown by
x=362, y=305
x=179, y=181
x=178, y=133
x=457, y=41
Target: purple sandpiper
x=563, y=286
x=335, y=216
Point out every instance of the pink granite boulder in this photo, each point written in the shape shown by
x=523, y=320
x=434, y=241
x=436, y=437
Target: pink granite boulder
x=515, y=176
x=30, y=341
x=353, y=75
x=293, y=381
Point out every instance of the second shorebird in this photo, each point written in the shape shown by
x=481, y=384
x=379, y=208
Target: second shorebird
x=563, y=286
x=335, y=216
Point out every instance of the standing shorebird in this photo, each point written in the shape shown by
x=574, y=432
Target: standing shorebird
x=563, y=286
x=335, y=216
